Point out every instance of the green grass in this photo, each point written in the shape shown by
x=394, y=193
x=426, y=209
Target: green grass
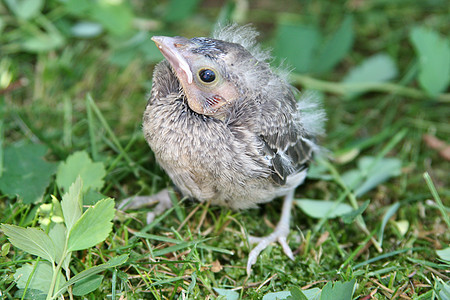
x=90, y=94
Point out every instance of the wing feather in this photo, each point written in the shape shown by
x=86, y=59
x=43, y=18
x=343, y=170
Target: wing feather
x=283, y=137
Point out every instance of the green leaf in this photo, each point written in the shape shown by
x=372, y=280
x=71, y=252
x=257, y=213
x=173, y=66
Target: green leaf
x=72, y=204
x=228, y=294
x=93, y=227
x=140, y=45
x=113, y=262
x=57, y=234
x=30, y=294
x=80, y=164
x=116, y=261
x=371, y=172
x=115, y=16
x=319, y=172
x=79, y=7
x=444, y=289
x=338, y=291
x=43, y=42
x=91, y=197
x=433, y=51
x=41, y=279
x=277, y=295
x=297, y=44
x=25, y=9
x=402, y=226
x=312, y=294
x=86, y=29
x=350, y=217
x=296, y=294
x=323, y=209
x=179, y=10
x=31, y=240
x=352, y=178
x=335, y=48
x=444, y=254
x=87, y=285
x=5, y=249
x=26, y=174
x=377, y=171
x=377, y=68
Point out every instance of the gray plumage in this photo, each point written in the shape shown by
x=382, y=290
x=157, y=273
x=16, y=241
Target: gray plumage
x=227, y=128
x=238, y=143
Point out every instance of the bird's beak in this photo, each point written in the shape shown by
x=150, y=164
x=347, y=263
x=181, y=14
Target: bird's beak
x=171, y=47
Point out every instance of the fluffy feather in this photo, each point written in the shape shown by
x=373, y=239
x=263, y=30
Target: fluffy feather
x=243, y=35
x=227, y=128
x=255, y=146
x=310, y=115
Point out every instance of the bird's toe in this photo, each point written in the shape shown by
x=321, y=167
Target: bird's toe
x=279, y=235
x=161, y=199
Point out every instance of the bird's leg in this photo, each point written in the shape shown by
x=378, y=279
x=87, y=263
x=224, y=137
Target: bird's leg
x=279, y=234
x=161, y=199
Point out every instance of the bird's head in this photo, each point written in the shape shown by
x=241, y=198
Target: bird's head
x=213, y=73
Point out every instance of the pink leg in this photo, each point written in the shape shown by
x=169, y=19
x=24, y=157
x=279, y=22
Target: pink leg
x=279, y=234
x=161, y=199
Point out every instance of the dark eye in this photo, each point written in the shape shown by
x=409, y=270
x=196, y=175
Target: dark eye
x=207, y=75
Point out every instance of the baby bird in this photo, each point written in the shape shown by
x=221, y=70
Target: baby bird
x=227, y=128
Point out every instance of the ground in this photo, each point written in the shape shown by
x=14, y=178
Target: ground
x=75, y=78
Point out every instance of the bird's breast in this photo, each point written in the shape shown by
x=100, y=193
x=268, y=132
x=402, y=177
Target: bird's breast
x=206, y=158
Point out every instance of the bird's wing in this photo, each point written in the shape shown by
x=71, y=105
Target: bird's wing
x=284, y=142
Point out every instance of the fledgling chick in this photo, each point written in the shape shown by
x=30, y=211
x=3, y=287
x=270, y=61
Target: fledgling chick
x=227, y=128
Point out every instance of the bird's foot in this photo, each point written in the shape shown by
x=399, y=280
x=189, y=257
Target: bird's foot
x=161, y=199
x=278, y=235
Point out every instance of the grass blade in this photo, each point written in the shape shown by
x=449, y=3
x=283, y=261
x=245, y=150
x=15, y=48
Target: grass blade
x=390, y=212
x=436, y=197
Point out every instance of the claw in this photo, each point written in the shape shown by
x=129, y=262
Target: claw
x=279, y=235
x=161, y=199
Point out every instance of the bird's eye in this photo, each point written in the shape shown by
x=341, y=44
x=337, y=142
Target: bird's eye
x=207, y=75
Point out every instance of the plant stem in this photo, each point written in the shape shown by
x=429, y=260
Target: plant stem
x=346, y=88
x=53, y=282
x=352, y=198
x=57, y=270
x=30, y=278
